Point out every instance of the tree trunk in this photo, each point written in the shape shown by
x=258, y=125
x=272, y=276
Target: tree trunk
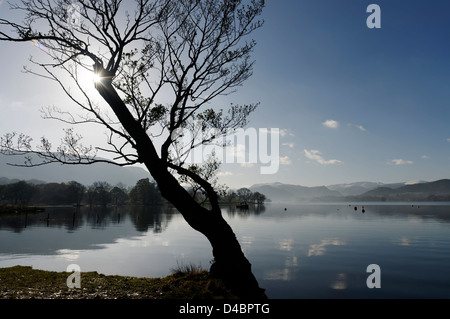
x=230, y=263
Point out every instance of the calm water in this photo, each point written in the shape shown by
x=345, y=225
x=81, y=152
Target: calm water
x=305, y=251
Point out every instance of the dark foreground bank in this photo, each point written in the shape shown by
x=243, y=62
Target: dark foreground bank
x=20, y=282
x=24, y=291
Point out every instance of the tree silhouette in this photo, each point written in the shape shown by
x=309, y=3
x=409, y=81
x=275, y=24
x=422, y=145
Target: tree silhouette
x=158, y=66
x=76, y=192
x=102, y=193
x=19, y=193
x=258, y=198
x=145, y=193
x=244, y=194
x=118, y=196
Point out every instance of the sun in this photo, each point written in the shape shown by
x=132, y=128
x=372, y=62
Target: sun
x=88, y=77
x=96, y=78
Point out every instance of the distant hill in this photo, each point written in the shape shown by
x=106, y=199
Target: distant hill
x=425, y=191
x=352, y=189
x=279, y=192
x=6, y=181
x=360, y=191
x=84, y=174
x=358, y=188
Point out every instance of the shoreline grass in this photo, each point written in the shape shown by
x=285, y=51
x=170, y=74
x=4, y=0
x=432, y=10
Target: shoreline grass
x=24, y=282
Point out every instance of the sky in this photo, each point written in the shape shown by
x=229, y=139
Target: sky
x=350, y=103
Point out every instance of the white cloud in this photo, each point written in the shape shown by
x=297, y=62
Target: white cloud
x=285, y=160
x=360, y=127
x=448, y=140
x=315, y=156
x=290, y=145
x=400, y=161
x=285, y=132
x=425, y=157
x=331, y=124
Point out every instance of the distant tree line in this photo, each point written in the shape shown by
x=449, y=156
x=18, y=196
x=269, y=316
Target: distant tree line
x=101, y=193
x=19, y=193
x=244, y=195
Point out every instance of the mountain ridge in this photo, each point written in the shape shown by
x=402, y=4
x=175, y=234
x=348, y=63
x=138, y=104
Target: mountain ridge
x=358, y=191
x=278, y=192
x=428, y=191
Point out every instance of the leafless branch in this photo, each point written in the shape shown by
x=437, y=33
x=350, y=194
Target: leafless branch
x=167, y=59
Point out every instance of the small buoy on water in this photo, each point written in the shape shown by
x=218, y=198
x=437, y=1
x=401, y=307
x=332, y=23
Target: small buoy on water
x=356, y=208
x=285, y=209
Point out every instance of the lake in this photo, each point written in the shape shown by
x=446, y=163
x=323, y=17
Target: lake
x=297, y=250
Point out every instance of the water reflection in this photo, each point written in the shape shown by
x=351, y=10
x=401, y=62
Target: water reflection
x=323, y=250
x=65, y=231
x=143, y=218
x=291, y=261
x=280, y=274
x=232, y=211
x=422, y=212
x=320, y=249
x=286, y=244
x=404, y=241
x=340, y=283
x=157, y=218
x=68, y=254
x=308, y=250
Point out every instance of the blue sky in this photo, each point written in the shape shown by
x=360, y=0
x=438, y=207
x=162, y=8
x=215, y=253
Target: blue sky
x=384, y=92
x=352, y=103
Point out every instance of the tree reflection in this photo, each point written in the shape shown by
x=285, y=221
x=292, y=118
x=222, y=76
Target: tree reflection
x=144, y=218
x=156, y=218
x=233, y=211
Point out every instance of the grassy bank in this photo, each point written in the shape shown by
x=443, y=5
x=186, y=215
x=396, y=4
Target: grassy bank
x=26, y=283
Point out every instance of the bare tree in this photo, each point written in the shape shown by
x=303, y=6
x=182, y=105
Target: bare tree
x=159, y=65
x=76, y=192
x=207, y=171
